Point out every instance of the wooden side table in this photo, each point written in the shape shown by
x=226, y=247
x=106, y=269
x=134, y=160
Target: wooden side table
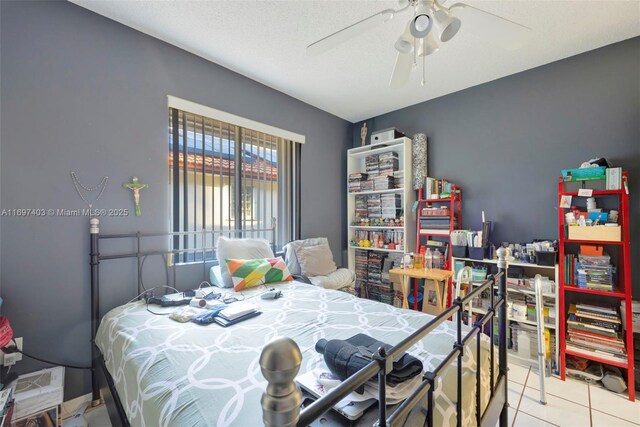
x=434, y=288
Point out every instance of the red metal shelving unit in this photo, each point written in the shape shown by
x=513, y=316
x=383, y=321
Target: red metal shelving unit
x=455, y=211
x=621, y=292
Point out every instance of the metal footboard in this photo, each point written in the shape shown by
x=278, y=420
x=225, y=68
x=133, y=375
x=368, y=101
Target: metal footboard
x=280, y=362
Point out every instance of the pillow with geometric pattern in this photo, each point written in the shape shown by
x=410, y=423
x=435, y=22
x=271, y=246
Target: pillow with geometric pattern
x=246, y=273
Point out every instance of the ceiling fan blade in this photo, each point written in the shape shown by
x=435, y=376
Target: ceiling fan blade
x=352, y=30
x=402, y=70
x=503, y=32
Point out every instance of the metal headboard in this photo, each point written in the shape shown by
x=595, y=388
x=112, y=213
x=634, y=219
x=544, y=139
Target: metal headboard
x=140, y=255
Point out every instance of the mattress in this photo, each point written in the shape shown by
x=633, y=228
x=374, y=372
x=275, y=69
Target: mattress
x=183, y=374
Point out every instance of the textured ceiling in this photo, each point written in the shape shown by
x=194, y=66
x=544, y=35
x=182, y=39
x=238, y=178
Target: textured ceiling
x=266, y=41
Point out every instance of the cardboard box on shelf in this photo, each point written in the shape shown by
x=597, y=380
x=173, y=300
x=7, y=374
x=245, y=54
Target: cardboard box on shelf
x=596, y=232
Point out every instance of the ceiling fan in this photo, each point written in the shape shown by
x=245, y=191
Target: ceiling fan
x=431, y=25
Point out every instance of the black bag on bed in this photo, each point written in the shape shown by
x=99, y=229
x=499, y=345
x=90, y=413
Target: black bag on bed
x=346, y=357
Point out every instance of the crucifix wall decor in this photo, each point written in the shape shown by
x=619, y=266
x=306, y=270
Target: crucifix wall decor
x=135, y=185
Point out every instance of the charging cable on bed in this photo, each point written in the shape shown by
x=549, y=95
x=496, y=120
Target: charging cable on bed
x=14, y=349
x=166, y=271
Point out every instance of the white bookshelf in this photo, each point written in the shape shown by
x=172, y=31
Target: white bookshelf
x=356, y=163
x=530, y=270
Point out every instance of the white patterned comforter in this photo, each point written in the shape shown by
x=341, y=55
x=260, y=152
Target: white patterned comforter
x=174, y=374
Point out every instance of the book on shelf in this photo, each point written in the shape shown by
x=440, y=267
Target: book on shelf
x=597, y=309
x=613, y=178
x=570, y=261
x=595, y=330
x=599, y=323
x=615, y=341
x=441, y=223
x=437, y=188
x=614, y=346
x=596, y=325
x=596, y=353
x=597, y=316
x=434, y=231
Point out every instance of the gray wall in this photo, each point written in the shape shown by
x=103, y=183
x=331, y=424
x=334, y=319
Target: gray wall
x=83, y=93
x=505, y=142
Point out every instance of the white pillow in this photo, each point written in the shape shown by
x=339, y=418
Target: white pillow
x=339, y=279
x=215, y=277
x=290, y=257
x=240, y=249
x=316, y=260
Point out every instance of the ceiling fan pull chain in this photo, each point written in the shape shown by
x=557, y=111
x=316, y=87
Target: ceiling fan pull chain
x=424, y=71
x=415, y=44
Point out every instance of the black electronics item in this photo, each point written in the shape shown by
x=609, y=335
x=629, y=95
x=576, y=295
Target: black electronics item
x=166, y=301
x=189, y=293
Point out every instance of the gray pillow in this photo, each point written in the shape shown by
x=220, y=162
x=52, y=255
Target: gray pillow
x=240, y=249
x=316, y=260
x=290, y=257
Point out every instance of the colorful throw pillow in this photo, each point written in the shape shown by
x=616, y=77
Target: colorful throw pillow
x=246, y=273
x=240, y=249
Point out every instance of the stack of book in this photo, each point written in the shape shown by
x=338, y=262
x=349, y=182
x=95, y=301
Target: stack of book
x=436, y=225
x=570, y=269
x=372, y=165
x=236, y=313
x=366, y=185
x=398, y=178
x=361, y=263
x=387, y=163
x=374, y=206
x=391, y=205
x=354, y=181
x=594, y=272
x=383, y=182
x=595, y=330
x=374, y=268
x=437, y=188
x=361, y=207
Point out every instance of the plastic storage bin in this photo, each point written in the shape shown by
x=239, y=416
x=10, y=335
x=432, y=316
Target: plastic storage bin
x=581, y=173
x=477, y=253
x=546, y=258
x=459, y=251
x=597, y=260
x=478, y=274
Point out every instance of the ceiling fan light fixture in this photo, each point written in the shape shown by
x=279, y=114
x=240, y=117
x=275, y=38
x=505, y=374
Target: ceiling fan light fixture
x=422, y=22
x=403, y=45
x=446, y=25
x=429, y=45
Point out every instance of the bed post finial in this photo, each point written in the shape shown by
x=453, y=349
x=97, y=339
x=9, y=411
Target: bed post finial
x=502, y=257
x=280, y=362
x=93, y=226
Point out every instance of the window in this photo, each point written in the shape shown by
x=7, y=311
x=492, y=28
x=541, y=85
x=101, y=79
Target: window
x=212, y=165
x=246, y=208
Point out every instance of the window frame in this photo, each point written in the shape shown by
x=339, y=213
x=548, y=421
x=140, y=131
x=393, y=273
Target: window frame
x=287, y=191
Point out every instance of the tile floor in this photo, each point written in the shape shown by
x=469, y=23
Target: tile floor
x=570, y=403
